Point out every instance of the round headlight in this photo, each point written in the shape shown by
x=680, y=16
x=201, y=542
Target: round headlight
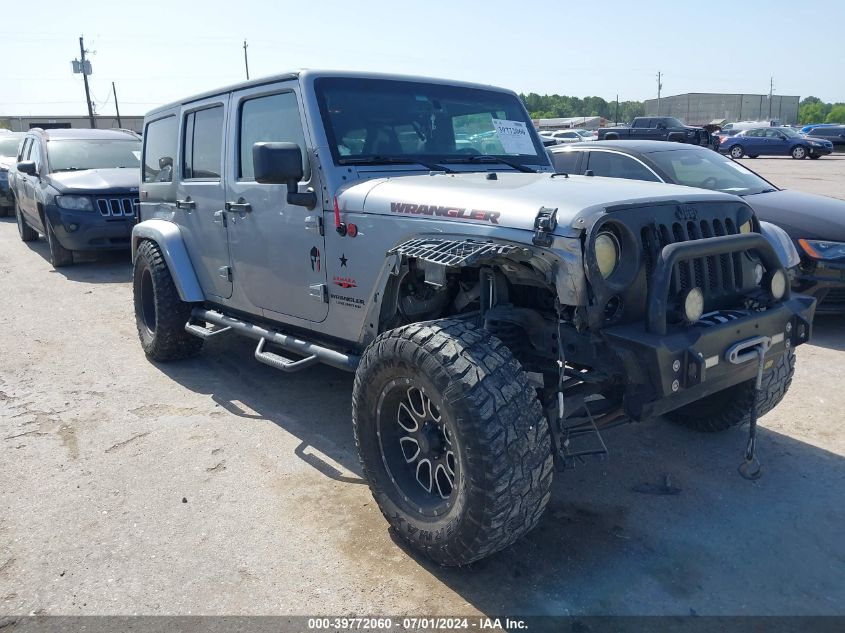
x=693, y=305
x=777, y=284
x=746, y=228
x=607, y=253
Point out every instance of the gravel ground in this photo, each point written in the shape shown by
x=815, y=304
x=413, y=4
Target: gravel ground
x=220, y=486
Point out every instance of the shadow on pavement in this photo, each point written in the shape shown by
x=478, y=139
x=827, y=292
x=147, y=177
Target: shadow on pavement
x=89, y=266
x=610, y=542
x=829, y=331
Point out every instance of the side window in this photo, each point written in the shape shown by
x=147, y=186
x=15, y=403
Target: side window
x=773, y=134
x=202, y=151
x=565, y=162
x=160, y=149
x=35, y=155
x=25, y=149
x=618, y=166
x=270, y=118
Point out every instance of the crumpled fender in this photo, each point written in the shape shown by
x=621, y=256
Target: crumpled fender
x=169, y=239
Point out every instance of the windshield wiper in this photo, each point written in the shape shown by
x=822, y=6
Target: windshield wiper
x=393, y=160
x=71, y=169
x=489, y=158
x=763, y=191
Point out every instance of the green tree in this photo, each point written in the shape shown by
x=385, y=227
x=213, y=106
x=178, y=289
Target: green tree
x=836, y=114
x=811, y=113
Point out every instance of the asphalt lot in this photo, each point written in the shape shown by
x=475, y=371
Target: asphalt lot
x=221, y=486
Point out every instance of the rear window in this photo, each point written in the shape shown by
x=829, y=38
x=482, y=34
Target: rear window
x=160, y=149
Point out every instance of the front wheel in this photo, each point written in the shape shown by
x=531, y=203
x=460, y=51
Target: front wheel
x=732, y=406
x=160, y=315
x=452, y=439
x=59, y=255
x=815, y=156
x=799, y=152
x=737, y=151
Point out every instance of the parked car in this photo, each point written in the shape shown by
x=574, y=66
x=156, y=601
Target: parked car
x=775, y=141
x=833, y=133
x=448, y=280
x=9, y=142
x=815, y=224
x=78, y=187
x=658, y=129
x=812, y=126
x=571, y=136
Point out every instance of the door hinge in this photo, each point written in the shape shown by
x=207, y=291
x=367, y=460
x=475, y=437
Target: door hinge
x=314, y=223
x=319, y=292
x=225, y=272
x=220, y=218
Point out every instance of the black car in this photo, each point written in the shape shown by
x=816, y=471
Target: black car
x=658, y=128
x=816, y=224
x=833, y=133
x=78, y=187
x=9, y=143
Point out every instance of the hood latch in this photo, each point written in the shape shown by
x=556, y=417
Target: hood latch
x=544, y=226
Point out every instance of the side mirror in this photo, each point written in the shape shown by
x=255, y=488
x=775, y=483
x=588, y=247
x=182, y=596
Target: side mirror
x=27, y=167
x=281, y=164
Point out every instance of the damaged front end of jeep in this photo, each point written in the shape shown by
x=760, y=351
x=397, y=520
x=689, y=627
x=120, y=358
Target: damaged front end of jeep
x=628, y=313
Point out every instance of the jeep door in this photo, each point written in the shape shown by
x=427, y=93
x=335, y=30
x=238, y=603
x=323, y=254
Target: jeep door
x=278, y=249
x=201, y=194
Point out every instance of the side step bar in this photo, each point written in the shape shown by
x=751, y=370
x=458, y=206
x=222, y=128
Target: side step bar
x=312, y=353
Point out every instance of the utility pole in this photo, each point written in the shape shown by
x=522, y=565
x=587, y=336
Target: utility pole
x=85, y=72
x=771, y=90
x=116, y=107
x=659, y=88
x=617, y=109
x=246, y=61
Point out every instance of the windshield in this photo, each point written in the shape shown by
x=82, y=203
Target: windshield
x=379, y=121
x=709, y=170
x=790, y=132
x=584, y=133
x=9, y=146
x=74, y=155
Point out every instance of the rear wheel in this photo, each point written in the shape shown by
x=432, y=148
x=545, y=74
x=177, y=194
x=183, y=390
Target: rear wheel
x=799, y=152
x=27, y=233
x=452, y=439
x=160, y=315
x=736, y=151
x=59, y=255
x=732, y=406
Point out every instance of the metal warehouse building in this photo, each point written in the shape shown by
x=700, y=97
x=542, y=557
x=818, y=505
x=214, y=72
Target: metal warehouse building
x=701, y=108
x=26, y=123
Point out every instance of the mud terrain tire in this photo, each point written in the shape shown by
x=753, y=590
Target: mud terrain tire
x=160, y=314
x=730, y=407
x=499, y=434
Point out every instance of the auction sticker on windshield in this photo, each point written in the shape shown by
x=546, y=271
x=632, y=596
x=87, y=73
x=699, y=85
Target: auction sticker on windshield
x=514, y=136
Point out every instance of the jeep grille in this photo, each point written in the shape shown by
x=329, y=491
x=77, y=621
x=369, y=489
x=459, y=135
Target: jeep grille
x=116, y=207
x=715, y=275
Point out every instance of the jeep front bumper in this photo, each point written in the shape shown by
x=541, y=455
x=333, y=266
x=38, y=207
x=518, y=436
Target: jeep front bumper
x=668, y=366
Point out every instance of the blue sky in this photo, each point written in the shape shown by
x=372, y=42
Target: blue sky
x=160, y=51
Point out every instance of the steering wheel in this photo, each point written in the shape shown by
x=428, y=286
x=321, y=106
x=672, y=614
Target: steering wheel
x=709, y=183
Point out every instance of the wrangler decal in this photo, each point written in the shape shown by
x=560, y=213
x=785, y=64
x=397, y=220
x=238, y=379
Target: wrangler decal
x=446, y=212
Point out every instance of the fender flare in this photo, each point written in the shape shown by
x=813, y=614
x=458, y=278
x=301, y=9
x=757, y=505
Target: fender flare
x=168, y=237
x=782, y=243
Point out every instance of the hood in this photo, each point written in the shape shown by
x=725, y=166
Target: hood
x=802, y=214
x=7, y=161
x=511, y=200
x=96, y=180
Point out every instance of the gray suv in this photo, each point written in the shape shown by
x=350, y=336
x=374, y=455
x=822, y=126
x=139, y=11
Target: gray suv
x=499, y=317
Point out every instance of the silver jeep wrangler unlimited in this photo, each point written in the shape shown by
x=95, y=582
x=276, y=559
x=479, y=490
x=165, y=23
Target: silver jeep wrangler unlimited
x=498, y=316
